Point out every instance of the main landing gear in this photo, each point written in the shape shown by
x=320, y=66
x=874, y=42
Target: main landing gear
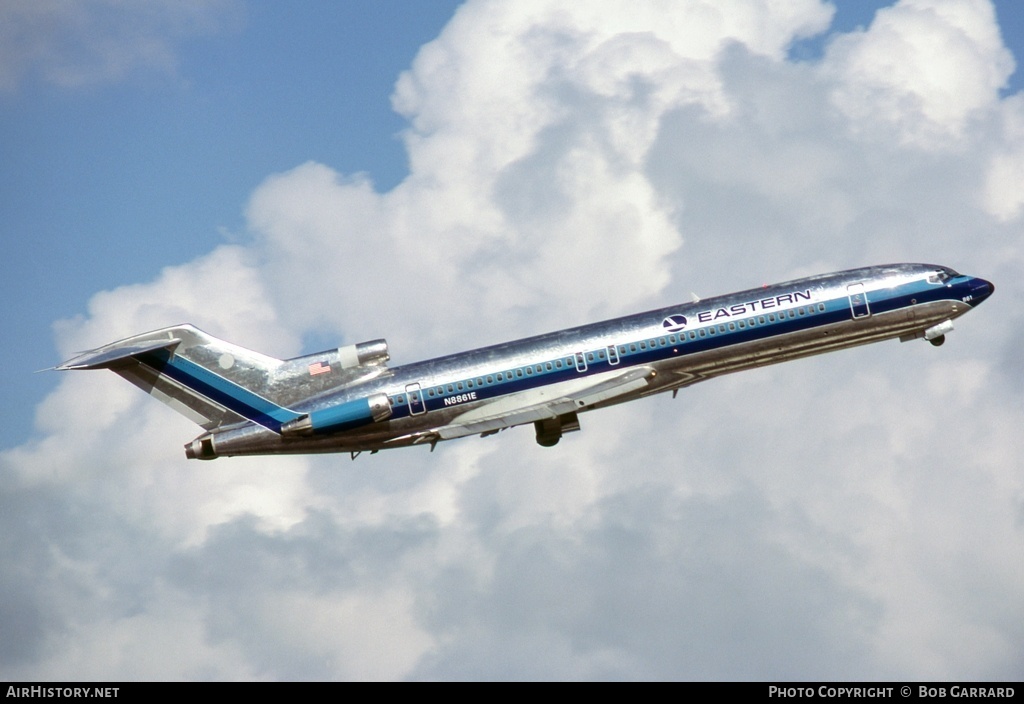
x=549, y=430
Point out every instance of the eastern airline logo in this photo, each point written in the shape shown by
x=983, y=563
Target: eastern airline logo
x=674, y=323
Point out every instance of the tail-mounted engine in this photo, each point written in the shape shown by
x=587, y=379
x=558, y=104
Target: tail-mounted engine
x=301, y=377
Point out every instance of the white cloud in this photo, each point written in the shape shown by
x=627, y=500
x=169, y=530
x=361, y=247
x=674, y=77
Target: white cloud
x=1003, y=197
x=924, y=68
x=852, y=516
x=112, y=451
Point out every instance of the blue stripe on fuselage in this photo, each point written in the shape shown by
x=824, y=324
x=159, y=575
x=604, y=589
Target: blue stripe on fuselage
x=218, y=389
x=837, y=310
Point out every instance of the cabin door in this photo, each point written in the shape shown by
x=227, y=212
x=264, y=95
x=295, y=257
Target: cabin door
x=412, y=391
x=858, y=301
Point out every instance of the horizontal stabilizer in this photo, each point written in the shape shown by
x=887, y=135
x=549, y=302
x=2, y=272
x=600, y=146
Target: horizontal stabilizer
x=108, y=357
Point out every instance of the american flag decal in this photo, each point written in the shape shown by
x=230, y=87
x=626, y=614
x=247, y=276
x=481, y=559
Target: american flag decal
x=319, y=368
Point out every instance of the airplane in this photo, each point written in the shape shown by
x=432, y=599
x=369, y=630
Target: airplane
x=348, y=399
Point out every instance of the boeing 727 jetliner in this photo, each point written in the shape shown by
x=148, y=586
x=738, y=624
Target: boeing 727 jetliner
x=349, y=400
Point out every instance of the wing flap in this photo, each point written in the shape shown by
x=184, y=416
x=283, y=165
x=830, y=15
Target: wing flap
x=518, y=410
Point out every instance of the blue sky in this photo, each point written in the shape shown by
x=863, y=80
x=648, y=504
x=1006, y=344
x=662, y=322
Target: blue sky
x=293, y=176
x=105, y=183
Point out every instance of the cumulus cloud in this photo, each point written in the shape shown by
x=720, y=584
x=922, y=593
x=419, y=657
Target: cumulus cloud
x=923, y=68
x=851, y=516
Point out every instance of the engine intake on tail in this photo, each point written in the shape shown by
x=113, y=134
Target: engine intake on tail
x=374, y=352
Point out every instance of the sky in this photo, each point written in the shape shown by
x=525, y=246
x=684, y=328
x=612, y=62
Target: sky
x=292, y=177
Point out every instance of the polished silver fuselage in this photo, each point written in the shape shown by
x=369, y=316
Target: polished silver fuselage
x=674, y=347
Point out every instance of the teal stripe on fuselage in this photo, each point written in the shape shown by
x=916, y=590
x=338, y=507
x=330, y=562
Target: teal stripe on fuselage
x=218, y=389
x=649, y=350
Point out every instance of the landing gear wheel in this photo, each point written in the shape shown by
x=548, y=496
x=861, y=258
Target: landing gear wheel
x=549, y=432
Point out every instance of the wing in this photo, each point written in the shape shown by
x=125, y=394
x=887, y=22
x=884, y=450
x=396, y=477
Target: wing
x=540, y=404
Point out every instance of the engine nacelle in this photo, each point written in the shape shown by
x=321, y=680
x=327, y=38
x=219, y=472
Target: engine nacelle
x=345, y=416
x=364, y=353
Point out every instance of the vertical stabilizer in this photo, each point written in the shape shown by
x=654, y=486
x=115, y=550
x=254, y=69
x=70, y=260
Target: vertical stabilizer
x=210, y=381
x=215, y=383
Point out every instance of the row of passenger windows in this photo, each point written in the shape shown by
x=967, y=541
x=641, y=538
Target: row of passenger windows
x=600, y=355
x=721, y=328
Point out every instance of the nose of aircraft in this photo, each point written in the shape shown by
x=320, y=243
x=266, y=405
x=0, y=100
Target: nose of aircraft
x=980, y=290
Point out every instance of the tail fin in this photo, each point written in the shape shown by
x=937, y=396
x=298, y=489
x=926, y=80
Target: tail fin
x=215, y=383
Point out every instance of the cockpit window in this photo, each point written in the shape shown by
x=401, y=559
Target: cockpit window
x=942, y=276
